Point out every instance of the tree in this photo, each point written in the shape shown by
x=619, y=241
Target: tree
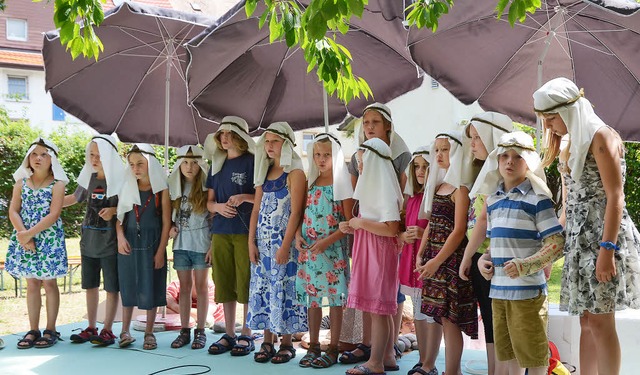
x=306, y=28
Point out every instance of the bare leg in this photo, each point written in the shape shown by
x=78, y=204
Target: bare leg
x=380, y=330
x=421, y=337
x=314, y=315
x=202, y=290
x=184, y=299
x=151, y=319
x=390, y=353
x=53, y=302
x=127, y=314
x=34, y=303
x=245, y=329
x=453, y=346
x=366, y=330
x=111, y=309
x=230, y=317
x=433, y=340
x=513, y=367
x=604, y=339
x=92, y=298
x=335, y=318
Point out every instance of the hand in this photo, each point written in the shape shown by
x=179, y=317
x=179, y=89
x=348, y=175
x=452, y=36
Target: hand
x=429, y=269
x=159, y=259
x=345, y=228
x=23, y=237
x=207, y=257
x=355, y=223
x=282, y=255
x=605, y=266
x=107, y=213
x=511, y=270
x=319, y=247
x=30, y=246
x=234, y=200
x=173, y=232
x=123, y=246
x=254, y=255
x=486, y=267
x=300, y=243
x=403, y=237
x=226, y=210
x=465, y=268
x=413, y=233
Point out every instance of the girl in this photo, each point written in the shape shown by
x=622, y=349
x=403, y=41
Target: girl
x=601, y=269
x=376, y=123
x=230, y=201
x=446, y=297
x=484, y=132
x=323, y=263
x=144, y=221
x=37, y=248
x=278, y=206
x=428, y=333
x=375, y=251
x=190, y=231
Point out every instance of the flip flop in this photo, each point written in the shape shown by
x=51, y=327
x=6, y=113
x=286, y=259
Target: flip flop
x=364, y=371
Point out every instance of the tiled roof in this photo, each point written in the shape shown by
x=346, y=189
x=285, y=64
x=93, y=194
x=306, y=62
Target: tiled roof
x=158, y=3
x=21, y=58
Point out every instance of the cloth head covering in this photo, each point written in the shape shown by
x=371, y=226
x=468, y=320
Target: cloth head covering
x=522, y=143
x=377, y=190
x=130, y=194
x=396, y=143
x=562, y=96
x=112, y=164
x=174, y=180
x=342, y=188
x=25, y=172
x=425, y=153
x=458, y=163
x=217, y=156
x=289, y=159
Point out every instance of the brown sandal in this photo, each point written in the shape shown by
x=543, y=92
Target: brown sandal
x=184, y=337
x=150, y=342
x=199, y=338
x=328, y=359
x=312, y=353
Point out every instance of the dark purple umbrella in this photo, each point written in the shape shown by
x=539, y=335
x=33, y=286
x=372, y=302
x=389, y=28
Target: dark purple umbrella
x=234, y=70
x=137, y=87
x=477, y=57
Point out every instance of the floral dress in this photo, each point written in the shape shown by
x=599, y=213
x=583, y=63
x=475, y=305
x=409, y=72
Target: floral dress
x=585, y=208
x=49, y=261
x=272, y=290
x=325, y=275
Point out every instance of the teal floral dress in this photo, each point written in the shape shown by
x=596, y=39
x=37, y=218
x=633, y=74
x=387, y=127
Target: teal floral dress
x=49, y=261
x=322, y=280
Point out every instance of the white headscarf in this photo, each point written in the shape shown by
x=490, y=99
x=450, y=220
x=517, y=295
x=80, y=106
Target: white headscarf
x=25, y=172
x=289, y=159
x=130, y=194
x=425, y=153
x=396, y=143
x=217, y=156
x=490, y=178
x=112, y=164
x=377, y=190
x=562, y=96
x=342, y=188
x=453, y=175
x=174, y=181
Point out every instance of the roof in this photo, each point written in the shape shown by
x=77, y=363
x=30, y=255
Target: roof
x=31, y=60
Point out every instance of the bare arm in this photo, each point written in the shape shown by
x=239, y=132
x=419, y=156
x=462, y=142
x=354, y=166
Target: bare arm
x=69, y=200
x=297, y=188
x=253, y=225
x=159, y=259
x=384, y=229
x=478, y=235
x=15, y=206
x=563, y=213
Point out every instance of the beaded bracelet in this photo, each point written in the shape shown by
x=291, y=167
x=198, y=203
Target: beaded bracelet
x=609, y=245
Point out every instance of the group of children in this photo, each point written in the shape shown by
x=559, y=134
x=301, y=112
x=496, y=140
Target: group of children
x=466, y=220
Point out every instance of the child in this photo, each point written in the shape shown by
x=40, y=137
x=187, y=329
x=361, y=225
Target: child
x=144, y=221
x=231, y=195
x=375, y=251
x=445, y=297
x=323, y=263
x=37, y=249
x=525, y=237
x=99, y=183
x=191, y=239
x=277, y=210
x=428, y=334
x=601, y=270
x=483, y=132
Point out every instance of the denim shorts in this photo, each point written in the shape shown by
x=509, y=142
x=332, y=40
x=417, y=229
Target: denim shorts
x=185, y=260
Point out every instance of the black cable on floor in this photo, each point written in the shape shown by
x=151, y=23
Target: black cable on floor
x=206, y=369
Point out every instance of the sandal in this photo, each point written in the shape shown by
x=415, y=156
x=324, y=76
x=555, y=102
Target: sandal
x=328, y=359
x=312, y=353
x=363, y=370
x=184, y=337
x=285, y=354
x=125, y=339
x=397, y=351
x=218, y=347
x=29, y=342
x=199, y=338
x=150, y=342
x=242, y=349
x=350, y=358
x=265, y=354
x=48, y=339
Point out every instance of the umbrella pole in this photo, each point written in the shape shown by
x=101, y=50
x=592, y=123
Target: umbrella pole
x=167, y=90
x=547, y=43
x=325, y=105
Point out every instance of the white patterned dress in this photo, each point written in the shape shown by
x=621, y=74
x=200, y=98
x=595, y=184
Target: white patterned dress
x=586, y=203
x=49, y=261
x=272, y=290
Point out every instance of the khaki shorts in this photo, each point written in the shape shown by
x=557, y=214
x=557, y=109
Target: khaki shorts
x=231, y=267
x=520, y=331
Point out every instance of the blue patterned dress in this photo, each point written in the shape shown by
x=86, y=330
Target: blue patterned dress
x=272, y=290
x=49, y=261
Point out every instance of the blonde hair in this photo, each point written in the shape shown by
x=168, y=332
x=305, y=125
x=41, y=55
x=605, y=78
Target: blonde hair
x=238, y=142
x=417, y=187
x=197, y=197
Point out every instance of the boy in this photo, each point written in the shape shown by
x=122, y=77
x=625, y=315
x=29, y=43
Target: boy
x=525, y=237
x=98, y=184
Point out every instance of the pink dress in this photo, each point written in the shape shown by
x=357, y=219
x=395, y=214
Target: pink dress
x=410, y=250
x=374, y=273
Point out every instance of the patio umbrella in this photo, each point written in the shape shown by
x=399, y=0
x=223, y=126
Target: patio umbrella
x=477, y=57
x=234, y=70
x=137, y=87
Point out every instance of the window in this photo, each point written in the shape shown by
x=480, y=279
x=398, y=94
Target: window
x=17, y=88
x=16, y=29
x=306, y=139
x=57, y=113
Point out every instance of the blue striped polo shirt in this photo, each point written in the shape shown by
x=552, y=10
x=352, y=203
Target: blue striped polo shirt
x=517, y=222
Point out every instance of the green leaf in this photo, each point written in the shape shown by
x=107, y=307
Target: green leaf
x=502, y=4
x=357, y=7
x=250, y=7
x=262, y=19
